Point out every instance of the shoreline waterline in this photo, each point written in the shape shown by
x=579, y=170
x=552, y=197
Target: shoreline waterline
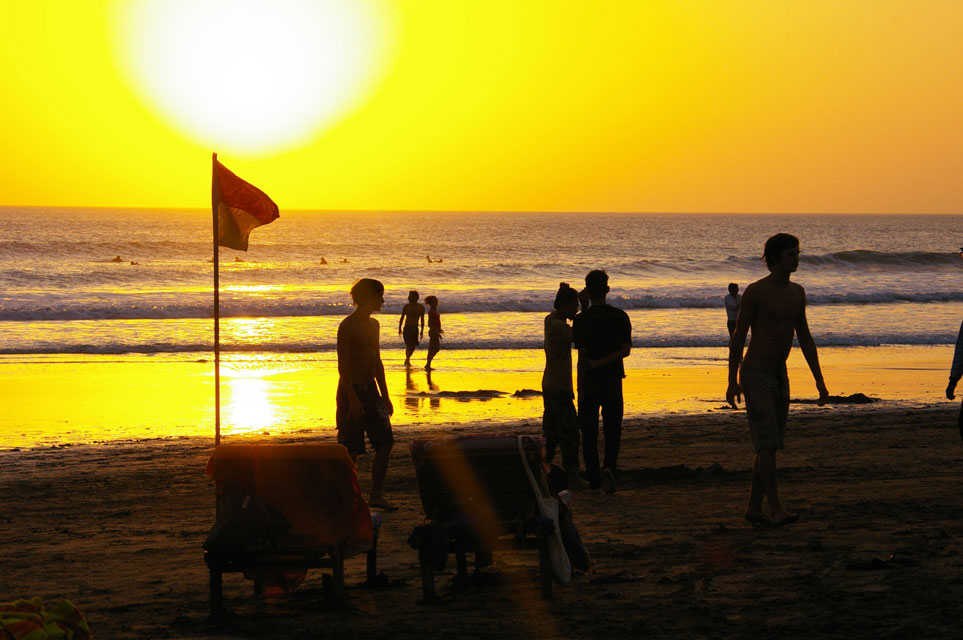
x=63, y=399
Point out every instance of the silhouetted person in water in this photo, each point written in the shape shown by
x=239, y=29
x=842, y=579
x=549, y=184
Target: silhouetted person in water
x=116, y=259
x=411, y=315
x=956, y=372
x=434, y=330
x=774, y=308
x=732, y=307
x=603, y=337
x=323, y=261
x=559, y=420
x=361, y=409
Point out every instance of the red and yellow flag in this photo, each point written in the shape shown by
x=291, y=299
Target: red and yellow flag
x=240, y=207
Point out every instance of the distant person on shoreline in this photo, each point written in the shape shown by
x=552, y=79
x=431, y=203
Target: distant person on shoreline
x=774, y=308
x=559, y=419
x=956, y=372
x=361, y=409
x=116, y=259
x=411, y=314
x=434, y=330
x=732, y=307
x=603, y=337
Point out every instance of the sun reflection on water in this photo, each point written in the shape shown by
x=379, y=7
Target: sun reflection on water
x=249, y=403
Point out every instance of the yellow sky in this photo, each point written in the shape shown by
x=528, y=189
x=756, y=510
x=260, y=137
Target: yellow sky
x=757, y=106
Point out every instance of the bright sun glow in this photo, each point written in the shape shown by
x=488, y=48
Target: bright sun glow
x=250, y=75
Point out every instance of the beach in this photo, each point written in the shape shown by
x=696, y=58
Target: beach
x=117, y=529
x=109, y=420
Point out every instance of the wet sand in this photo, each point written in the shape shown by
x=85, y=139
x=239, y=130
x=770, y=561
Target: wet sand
x=118, y=529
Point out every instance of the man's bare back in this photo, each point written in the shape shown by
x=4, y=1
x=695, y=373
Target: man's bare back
x=358, y=339
x=412, y=313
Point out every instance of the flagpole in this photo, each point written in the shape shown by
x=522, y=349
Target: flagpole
x=217, y=310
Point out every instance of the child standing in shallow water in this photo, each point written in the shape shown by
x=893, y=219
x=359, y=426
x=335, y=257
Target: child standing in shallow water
x=434, y=330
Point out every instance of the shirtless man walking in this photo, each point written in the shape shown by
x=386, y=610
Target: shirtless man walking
x=363, y=406
x=411, y=314
x=774, y=308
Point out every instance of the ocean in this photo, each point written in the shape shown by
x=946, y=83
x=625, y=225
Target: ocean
x=870, y=279
x=872, y=282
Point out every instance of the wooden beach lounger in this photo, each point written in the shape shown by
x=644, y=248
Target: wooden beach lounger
x=478, y=496
x=285, y=509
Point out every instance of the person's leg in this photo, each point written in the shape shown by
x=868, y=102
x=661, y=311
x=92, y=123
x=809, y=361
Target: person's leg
x=960, y=420
x=766, y=464
x=378, y=426
x=588, y=421
x=766, y=394
x=754, y=512
x=410, y=349
x=612, y=411
x=379, y=469
x=568, y=435
x=550, y=425
x=434, y=345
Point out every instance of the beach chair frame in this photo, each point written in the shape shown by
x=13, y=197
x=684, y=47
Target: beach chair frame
x=476, y=497
x=241, y=472
x=291, y=558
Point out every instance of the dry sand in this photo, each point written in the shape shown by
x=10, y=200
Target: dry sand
x=876, y=554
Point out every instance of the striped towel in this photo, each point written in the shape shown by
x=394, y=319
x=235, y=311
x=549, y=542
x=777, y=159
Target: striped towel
x=27, y=620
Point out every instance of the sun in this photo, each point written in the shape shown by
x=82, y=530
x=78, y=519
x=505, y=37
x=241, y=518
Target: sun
x=250, y=76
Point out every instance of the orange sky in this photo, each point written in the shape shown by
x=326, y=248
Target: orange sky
x=756, y=106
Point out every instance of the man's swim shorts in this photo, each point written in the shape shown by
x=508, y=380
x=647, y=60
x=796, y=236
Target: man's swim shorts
x=410, y=333
x=374, y=420
x=766, y=390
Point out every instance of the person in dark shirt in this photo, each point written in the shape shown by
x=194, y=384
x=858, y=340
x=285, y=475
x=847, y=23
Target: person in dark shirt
x=603, y=337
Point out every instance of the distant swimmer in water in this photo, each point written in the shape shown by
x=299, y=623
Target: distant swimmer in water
x=344, y=260
x=134, y=262
x=323, y=261
x=238, y=259
x=428, y=258
x=116, y=259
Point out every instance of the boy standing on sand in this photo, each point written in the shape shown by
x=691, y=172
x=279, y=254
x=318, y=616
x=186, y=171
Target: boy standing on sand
x=603, y=337
x=411, y=314
x=360, y=407
x=774, y=308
